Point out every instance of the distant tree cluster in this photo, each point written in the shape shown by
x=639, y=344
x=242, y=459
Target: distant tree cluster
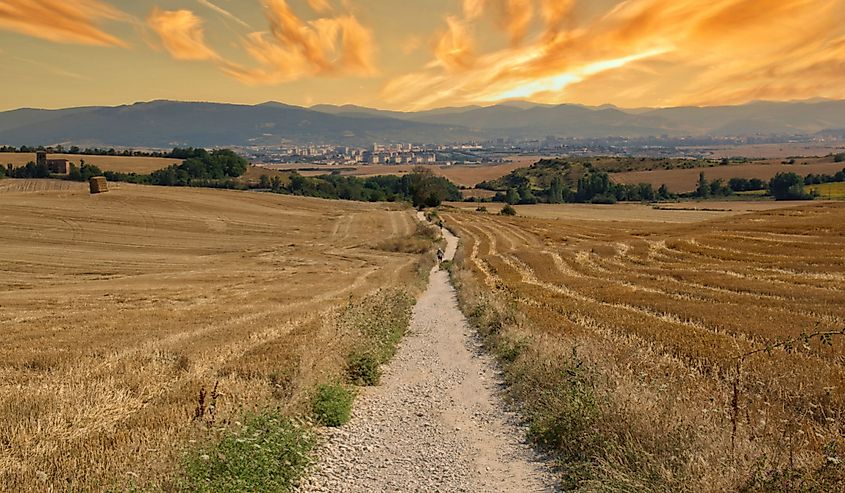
x=202, y=167
x=708, y=189
x=784, y=186
x=30, y=170
x=548, y=181
x=788, y=186
x=819, y=179
x=747, y=185
x=84, y=172
x=422, y=188
x=176, y=153
x=595, y=187
x=839, y=158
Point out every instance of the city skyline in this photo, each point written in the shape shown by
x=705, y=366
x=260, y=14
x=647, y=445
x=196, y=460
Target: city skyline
x=407, y=57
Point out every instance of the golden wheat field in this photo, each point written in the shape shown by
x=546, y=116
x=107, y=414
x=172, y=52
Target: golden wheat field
x=122, y=164
x=117, y=309
x=661, y=313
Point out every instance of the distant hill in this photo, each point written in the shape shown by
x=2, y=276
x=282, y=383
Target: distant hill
x=165, y=124
x=540, y=175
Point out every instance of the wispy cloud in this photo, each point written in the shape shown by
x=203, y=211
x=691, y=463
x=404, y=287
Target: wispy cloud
x=46, y=67
x=61, y=21
x=181, y=32
x=640, y=52
x=294, y=48
x=455, y=47
x=225, y=13
x=320, y=6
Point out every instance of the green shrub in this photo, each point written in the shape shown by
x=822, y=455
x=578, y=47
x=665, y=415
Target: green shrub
x=603, y=200
x=333, y=405
x=788, y=186
x=267, y=454
x=508, y=210
x=839, y=157
x=508, y=350
x=363, y=369
x=380, y=322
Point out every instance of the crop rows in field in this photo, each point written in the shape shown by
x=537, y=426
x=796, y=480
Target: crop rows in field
x=699, y=294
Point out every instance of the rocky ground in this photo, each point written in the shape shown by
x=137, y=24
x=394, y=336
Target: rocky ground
x=436, y=423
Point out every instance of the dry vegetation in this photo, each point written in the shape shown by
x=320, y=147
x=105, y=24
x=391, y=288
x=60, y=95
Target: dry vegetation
x=117, y=309
x=681, y=212
x=832, y=191
x=622, y=340
x=123, y=164
x=462, y=175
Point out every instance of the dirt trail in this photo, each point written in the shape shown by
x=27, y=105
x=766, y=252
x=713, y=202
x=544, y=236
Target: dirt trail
x=436, y=423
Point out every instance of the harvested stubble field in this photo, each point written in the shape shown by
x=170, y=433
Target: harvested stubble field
x=117, y=309
x=622, y=341
x=122, y=164
x=677, y=212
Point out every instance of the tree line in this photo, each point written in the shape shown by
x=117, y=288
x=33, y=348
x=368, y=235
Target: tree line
x=422, y=188
x=176, y=153
x=221, y=168
x=595, y=187
x=199, y=168
x=783, y=186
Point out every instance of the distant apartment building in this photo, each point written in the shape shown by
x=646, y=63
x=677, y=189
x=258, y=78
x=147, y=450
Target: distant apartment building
x=56, y=166
x=370, y=157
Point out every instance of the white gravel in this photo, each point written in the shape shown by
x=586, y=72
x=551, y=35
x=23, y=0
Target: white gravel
x=436, y=423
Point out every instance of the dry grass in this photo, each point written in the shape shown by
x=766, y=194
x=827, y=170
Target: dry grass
x=684, y=212
x=253, y=175
x=15, y=185
x=833, y=191
x=656, y=314
x=123, y=164
x=117, y=309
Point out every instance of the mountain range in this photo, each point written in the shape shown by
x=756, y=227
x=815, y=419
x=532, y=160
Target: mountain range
x=165, y=124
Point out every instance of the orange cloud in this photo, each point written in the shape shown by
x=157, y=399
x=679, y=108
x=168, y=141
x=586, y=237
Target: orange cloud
x=225, y=13
x=647, y=52
x=181, y=33
x=554, y=13
x=411, y=44
x=61, y=21
x=516, y=17
x=320, y=6
x=454, y=48
x=473, y=8
x=294, y=48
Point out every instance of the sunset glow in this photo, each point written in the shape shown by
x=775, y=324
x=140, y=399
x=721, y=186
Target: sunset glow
x=419, y=55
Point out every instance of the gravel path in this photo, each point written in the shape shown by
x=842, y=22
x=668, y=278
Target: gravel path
x=436, y=423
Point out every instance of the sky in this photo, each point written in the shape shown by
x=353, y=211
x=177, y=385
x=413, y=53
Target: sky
x=415, y=55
